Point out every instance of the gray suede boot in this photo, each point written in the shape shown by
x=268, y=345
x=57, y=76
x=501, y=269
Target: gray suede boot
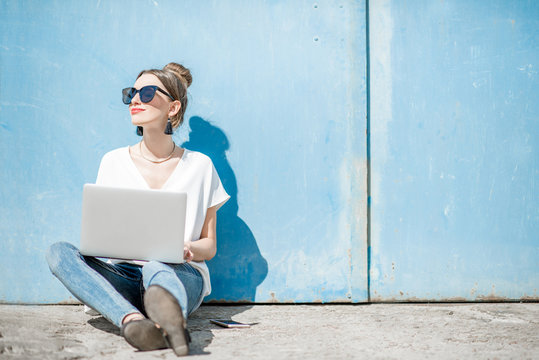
x=163, y=308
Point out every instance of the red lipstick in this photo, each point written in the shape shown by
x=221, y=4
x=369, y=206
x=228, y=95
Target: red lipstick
x=136, y=110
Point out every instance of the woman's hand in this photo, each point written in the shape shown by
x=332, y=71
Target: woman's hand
x=187, y=253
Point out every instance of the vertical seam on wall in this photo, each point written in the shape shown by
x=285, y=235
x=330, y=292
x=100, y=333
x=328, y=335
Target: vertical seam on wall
x=368, y=142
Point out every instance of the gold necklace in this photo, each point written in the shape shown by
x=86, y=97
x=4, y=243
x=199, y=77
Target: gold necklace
x=157, y=161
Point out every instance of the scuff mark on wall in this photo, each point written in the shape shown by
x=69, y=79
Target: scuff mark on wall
x=353, y=220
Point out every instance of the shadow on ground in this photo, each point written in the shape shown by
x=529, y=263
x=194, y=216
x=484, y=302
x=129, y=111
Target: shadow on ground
x=100, y=323
x=199, y=325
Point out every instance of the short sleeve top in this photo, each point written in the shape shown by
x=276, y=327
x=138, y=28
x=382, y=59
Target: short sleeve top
x=194, y=175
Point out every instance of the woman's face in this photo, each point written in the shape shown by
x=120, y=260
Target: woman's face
x=153, y=113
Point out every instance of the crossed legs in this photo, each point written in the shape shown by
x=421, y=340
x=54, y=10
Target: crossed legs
x=117, y=290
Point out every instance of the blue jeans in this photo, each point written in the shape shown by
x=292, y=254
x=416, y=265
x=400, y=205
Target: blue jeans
x=116, y=290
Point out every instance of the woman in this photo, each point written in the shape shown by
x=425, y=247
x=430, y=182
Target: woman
x=125, y=292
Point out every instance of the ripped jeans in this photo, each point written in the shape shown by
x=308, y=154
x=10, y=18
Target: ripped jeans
x=116, y=290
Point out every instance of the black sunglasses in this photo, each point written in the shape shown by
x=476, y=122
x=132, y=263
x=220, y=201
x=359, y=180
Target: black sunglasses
x=146, y=93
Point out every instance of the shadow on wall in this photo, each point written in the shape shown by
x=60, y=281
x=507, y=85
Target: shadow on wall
x=238, y=268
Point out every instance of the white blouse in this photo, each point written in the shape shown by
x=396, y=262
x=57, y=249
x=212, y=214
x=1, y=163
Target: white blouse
x=194, y=175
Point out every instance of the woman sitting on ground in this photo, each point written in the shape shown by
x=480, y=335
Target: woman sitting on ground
x=125, y=292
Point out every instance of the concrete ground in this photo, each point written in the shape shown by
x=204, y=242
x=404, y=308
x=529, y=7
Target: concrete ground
x=376, y=331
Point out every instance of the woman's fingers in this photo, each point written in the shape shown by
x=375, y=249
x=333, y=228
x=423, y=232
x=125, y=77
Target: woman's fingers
x=187, y=254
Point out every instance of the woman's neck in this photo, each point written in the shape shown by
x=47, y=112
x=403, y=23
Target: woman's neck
x=157, y=143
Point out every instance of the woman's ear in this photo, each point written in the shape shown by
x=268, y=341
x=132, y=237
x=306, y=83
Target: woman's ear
x=174, y=108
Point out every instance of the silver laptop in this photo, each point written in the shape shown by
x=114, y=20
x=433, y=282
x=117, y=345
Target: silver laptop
x=133, y=224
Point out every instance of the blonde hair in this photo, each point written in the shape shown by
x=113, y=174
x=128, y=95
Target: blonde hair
x=176, y=78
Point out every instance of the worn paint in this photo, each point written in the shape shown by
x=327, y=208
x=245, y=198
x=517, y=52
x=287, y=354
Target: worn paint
x=454, y=150
x=304, y=229
x=278, y=103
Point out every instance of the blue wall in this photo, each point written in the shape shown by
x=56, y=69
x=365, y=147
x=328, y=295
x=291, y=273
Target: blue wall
x=278, y=101
x=454, y=150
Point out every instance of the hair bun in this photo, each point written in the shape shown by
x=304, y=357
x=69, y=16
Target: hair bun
x=181, y=72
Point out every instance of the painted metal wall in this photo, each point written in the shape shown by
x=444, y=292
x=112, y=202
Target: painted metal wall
x=278, y=101
x=454, y=149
